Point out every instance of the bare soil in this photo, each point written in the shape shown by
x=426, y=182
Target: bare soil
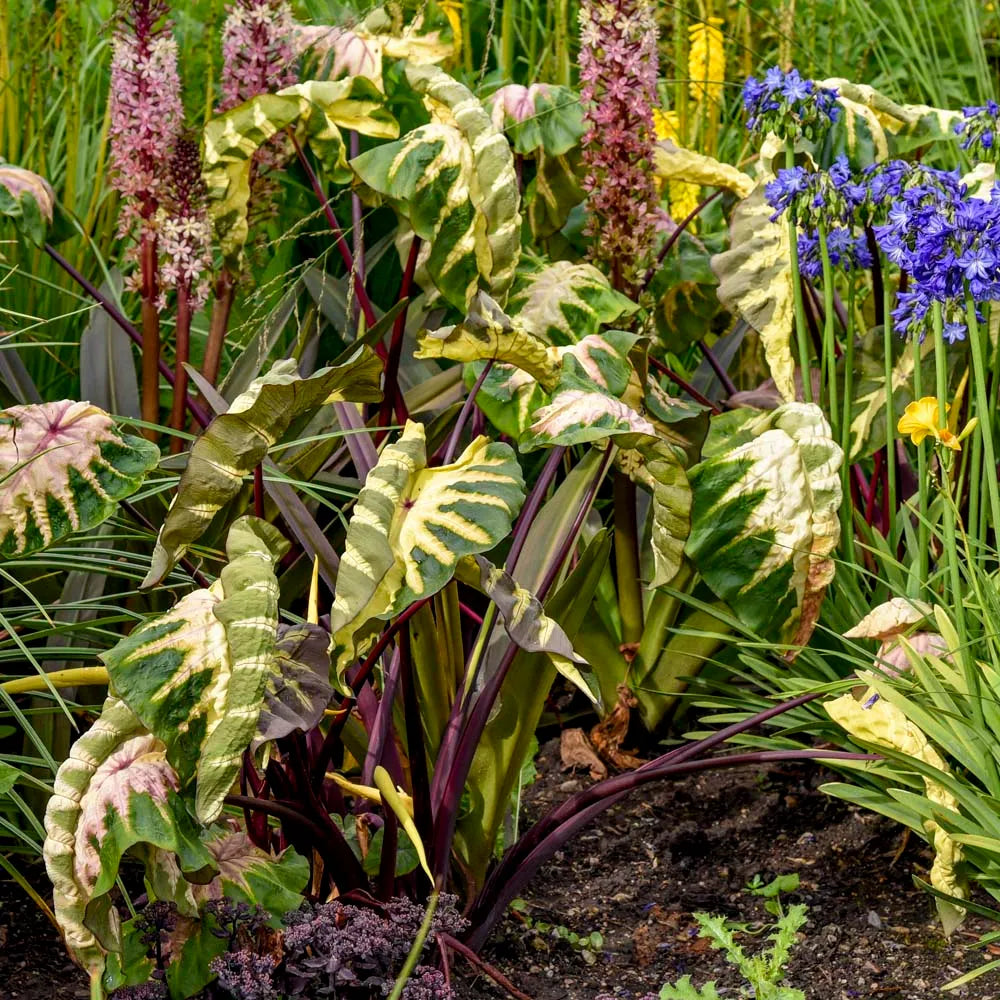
x=637, y=875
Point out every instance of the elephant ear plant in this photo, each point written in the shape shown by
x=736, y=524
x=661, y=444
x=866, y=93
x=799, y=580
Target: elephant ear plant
x=565, y=517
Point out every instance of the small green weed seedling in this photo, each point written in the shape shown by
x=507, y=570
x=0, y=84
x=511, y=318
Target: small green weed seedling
x=588, y=945
x=763, y=972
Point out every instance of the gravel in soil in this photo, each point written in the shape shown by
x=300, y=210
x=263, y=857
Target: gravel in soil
x=638, y=873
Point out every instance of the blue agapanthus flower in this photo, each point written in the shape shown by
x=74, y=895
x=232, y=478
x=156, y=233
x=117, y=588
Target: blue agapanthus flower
x=788, y=105
x=979, y=129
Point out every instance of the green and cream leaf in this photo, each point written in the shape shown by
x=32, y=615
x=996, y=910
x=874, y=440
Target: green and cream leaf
x=755, y=280
x=411, y=525
x=317, y=111
x=453, y=180
x=526, y=623
x=764, y=520
x=236, y=441
x=114, y=791
x=64, y=467
x=563, y=302
x=196, y=675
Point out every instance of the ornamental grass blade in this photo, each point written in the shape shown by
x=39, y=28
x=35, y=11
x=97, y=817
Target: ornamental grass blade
x=64, y=467
x=237, y=440
x=412, y=524
x=196, y=675
x=115, y=790
x=764, y=519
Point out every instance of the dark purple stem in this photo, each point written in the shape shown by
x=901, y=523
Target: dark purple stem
x=721, y=374
x=675, y=236
x=586, y=805
x=463, y=417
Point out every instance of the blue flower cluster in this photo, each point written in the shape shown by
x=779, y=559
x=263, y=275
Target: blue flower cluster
x=847, y=251
x=924, y=221
x=979, y=129
x=788, y=106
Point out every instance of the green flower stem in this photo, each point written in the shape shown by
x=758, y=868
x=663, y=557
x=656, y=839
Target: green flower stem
x=829, y=339
x=846, y=507
x=950, y=552
x=801, y=333
x=979, y=377
x=923, y=486
x=418, y=945
x=890, y=409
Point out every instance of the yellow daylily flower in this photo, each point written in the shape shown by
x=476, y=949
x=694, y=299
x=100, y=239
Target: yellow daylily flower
x=921, y=419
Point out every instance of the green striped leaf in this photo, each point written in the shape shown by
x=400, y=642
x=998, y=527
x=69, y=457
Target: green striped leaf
x=237, y=440
x=564, y=302
x=755, y=281
x=317, y=111
x=764, y=520
x=196, y=675
x=64, y=467
x=412, y=524
x=454, y=182
x=553, y=192
x=115, y=790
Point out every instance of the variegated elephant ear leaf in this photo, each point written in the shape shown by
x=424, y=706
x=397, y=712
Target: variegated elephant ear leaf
x=454, y=182
x=764, y=520
x=755, y=281
x=196, y=675
x=115, y=790
x=298, y=688
x=874, y=127
x=317, y=111
x=526, y=623
x=488, y=334
x=63, y=468
x=676, y=163
x=564, y=302
x=412, y=524
x=578, y=415
x=237, y=440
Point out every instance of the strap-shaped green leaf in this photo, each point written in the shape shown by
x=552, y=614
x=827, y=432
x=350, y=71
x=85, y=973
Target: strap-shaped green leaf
x=454, y=181
x=116, y=789
x=755, y=280
x=412, y=524
x=237, y=440
x=317, y=110
x=564, y=302
x=764, y=519
x=196, y=675
x=63, y=468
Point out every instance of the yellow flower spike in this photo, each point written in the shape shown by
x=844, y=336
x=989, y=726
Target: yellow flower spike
x=707, y=60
